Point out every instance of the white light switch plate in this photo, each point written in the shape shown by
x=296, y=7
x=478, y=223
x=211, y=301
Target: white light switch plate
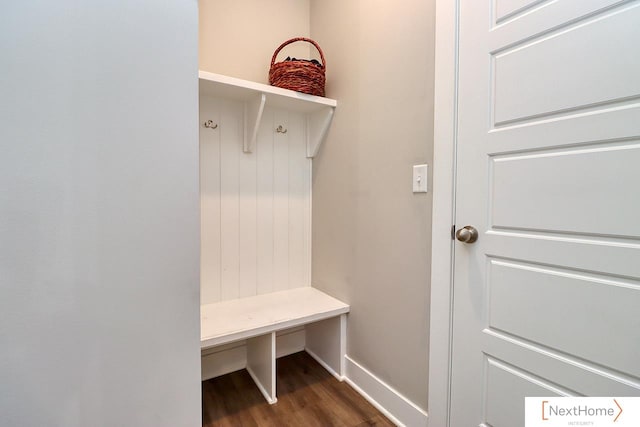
x=420, y=178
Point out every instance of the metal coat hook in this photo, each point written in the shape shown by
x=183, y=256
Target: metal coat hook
x=210, y=125
x=280, y=129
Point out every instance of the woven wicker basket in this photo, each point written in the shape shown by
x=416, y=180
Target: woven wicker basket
x=299, y=75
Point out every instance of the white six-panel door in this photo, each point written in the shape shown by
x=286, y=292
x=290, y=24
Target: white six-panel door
x=547, y=301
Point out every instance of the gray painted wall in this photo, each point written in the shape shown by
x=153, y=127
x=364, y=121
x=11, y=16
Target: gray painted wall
x=371, y=234
x=99, y=214
x=238, y=38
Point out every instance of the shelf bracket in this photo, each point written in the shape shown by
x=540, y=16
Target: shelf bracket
x=318, y=124
x=253, y=109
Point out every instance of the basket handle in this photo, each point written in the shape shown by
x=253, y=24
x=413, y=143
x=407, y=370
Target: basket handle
x=297, y=39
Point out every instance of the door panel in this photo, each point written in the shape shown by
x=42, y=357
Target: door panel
x=524, y=73
x=504, y=386
x=528, y=301
x=547, y=155
x=551, y=190
x=505, y=9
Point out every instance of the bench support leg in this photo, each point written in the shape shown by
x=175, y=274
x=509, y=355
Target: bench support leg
x=326, y=341
x=261, y=364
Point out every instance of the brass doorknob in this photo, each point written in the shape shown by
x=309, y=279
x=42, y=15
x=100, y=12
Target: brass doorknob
x=467, y=234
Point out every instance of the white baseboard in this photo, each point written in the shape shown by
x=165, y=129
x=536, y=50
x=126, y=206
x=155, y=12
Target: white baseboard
x=223, y=360
x=289, y=341
x=325, y=365
x=400, y=410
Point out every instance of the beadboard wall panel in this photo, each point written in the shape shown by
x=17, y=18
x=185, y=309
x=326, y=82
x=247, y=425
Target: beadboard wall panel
x=298, y=191
x=265, y=203
x=280, y=204
x=255, y=207
x=249, y=224
x=230, y=136
x=210, y=251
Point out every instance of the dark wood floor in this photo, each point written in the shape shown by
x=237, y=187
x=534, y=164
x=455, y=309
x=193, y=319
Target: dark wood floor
x=308, y=396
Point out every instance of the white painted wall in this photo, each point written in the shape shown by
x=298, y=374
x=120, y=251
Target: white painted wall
x=238, y=37
x=371, y=234
x=99, y=207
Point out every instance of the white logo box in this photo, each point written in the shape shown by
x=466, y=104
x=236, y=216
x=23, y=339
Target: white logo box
x=582, y=411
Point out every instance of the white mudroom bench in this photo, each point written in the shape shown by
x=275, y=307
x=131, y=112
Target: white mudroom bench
x=257, y=319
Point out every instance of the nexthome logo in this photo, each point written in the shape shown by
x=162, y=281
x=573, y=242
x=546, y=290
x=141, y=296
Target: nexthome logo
x=586, y=411
x=582, y=411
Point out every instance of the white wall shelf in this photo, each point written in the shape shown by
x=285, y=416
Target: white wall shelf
x=256, y=96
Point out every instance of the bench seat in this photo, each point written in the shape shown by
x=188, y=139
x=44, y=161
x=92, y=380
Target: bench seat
x=256, y=319
x=243, y=318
